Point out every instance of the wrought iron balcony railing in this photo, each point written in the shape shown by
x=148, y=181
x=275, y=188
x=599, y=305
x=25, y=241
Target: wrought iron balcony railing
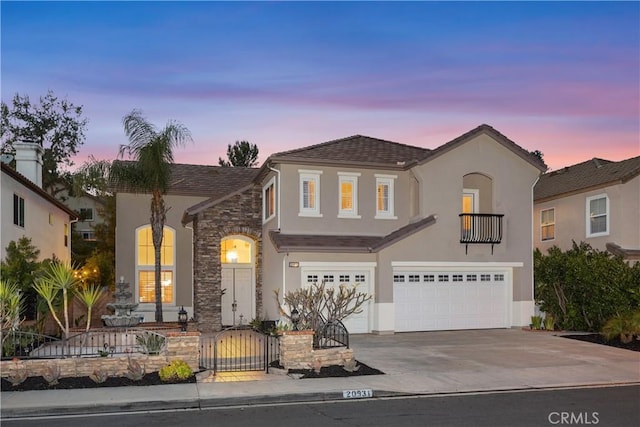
x=480, y=229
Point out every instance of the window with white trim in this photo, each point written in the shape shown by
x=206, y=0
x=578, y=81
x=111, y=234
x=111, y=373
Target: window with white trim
x=348, y=194
x=269, y=200
x=309, y=193
x=598, y=215
x=547, y=224
x=145, y=265
x=385, y=196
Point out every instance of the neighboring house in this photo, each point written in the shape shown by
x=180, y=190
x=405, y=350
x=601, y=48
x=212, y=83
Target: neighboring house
x=89, y=209
x=29, y=211
x=441, y=238
x=596, y=201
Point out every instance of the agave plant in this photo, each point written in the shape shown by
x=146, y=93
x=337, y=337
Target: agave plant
x=10, y=306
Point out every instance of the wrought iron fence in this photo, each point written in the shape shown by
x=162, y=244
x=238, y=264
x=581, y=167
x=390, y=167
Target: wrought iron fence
x=101, y=343
x=331, y=334
x=239, y=348
x=480, y=228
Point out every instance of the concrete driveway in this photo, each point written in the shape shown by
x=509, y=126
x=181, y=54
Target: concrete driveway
x=498, y=359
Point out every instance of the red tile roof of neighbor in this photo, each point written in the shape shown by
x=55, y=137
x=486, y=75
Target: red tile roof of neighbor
x=584, y=176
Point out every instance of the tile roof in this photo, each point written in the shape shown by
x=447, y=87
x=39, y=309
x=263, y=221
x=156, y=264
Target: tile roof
x=344, y=243
x=357, y=149
x=583, y=176
x=208, y=181
x=36, y=189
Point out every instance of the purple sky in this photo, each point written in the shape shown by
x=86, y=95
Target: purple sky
x=562, y=78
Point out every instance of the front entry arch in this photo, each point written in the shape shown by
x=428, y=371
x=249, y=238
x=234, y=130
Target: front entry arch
x=237, y=258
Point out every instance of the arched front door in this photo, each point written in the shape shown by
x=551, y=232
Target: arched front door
x=238, y=280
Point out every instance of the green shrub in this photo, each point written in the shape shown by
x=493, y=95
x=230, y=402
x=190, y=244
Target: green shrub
x=176, y=370
x=625, y=327
x=536, y=322
x=583, y=287
x=549, y=322
x=150, y=342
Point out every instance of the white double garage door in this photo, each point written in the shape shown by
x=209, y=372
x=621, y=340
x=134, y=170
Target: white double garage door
x=435, y=299
x=426, y=298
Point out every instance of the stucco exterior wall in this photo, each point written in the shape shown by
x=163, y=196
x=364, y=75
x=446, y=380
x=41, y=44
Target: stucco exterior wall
x=329, y=193
x=132, y=211
x=571, y=218
x=47, y=235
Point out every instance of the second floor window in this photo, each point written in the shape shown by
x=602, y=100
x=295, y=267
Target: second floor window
x=597, y=216
x=547, y=224
x=18, y=210
x=385, y=196
x=86, y=214
x=269, y=200
x=348, y=195
x=309, y=193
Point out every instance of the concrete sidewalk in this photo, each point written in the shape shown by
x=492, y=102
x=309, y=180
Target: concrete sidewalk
x=413, y=363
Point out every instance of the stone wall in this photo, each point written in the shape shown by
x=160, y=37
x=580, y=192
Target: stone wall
x=296, y=352
x=240, y=214
x=180, y=345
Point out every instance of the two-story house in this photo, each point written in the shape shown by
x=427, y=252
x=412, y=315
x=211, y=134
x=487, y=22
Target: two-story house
x=441, y=238
x=29, y=211
x=596, y=201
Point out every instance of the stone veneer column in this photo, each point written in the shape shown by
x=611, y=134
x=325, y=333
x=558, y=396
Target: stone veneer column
x=296, y=349
x=240, y=214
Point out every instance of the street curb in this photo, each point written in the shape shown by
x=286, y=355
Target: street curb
x=158, y=405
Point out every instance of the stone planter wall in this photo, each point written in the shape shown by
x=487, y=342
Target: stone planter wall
x=296, y=352
x=180, y=345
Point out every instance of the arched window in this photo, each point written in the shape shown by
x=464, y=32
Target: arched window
x=145, y=265
x=236, y=250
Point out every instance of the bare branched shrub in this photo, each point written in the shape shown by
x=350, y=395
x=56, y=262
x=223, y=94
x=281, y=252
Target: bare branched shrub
x=319, y=304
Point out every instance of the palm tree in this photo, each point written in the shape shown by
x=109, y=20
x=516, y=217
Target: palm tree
x=151, y=152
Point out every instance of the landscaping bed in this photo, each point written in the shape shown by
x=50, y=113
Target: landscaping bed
x=634, y=345
x=39, y=383
x=333, y=371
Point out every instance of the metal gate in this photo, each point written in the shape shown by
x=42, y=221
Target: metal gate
x=238, y=348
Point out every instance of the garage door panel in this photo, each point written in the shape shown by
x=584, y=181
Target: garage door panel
x=356, y=323
x=448, y=300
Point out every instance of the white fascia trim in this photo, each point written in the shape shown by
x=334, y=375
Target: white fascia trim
x=344, y=265
x=451, y=264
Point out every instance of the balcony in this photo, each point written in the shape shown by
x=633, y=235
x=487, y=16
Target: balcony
x=480, y=229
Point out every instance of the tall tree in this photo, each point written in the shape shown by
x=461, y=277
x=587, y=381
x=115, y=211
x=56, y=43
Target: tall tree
x=151, y=152
x=240, y=154
x=56, y=124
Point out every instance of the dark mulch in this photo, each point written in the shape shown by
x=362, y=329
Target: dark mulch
x=334, y=371
x=39, y=383
x=599, y=339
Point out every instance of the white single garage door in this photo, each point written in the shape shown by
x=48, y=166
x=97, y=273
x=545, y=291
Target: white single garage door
x=357, y=323
x=448, y=300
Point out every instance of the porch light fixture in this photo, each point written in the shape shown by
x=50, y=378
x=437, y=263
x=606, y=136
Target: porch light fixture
x=294, y=264
x=182, y=319
x=295, y=318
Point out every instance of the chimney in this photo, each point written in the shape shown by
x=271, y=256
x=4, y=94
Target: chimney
x=29, y=160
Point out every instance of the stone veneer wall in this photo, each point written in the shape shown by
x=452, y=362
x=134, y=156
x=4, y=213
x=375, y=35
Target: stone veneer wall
x=180, y=345
x=296, y=352
x=240, y=214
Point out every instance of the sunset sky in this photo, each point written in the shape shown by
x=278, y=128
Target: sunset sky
x=559, y=77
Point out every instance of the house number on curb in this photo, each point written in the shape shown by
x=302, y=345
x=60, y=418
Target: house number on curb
x=357, y=394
